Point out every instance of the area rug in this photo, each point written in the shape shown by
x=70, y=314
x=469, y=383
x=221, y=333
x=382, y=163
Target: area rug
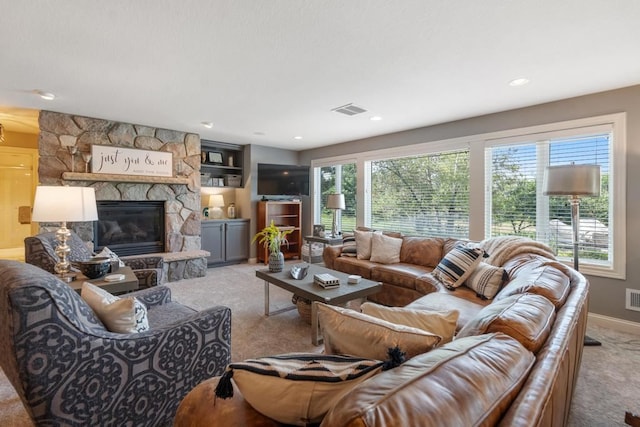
x=607, y=386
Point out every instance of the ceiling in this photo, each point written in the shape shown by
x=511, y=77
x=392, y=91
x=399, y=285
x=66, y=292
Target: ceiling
x=264, y=72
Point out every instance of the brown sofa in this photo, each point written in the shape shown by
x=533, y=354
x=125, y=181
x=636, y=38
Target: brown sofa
x=514, y=361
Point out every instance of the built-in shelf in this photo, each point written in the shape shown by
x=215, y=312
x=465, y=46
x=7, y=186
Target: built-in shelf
x=80, y=176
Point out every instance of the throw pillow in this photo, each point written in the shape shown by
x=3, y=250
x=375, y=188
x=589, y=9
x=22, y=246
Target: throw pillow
x=108, y=253
x=296, y=389
x=349, y=247
x=487, y=280
x=457, y=265
x=442, y=323
x=363, y=244
x=350, y=332
x=122, y=315
x=385, y=249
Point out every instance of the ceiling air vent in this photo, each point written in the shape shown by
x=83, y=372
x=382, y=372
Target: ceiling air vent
x=349, y=109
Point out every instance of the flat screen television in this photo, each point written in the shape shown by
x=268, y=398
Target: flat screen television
x=283, y=180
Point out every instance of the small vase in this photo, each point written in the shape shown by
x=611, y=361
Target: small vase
x=276, y=262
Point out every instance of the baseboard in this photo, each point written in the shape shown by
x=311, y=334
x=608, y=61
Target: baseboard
x=614, y=323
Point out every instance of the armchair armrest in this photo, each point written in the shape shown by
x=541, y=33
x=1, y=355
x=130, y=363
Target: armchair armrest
x=150, y=297
x=139, y=262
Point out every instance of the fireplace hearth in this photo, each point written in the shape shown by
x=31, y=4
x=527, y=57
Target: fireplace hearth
x=130, y=227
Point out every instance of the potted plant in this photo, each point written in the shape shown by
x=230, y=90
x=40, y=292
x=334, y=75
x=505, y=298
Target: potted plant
x=271, y=237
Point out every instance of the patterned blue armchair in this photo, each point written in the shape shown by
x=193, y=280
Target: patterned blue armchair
x=69, y=370
x=40, y=250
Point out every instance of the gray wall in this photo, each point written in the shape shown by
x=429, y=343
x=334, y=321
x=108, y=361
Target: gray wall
x=607, y=295
x=249, y=198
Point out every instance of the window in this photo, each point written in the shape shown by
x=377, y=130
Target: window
x=488, y=185
x=336, y=179
x=422, y=195
x=515, y=203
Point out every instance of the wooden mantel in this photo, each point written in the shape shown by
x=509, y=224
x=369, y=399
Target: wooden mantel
x=80, y=176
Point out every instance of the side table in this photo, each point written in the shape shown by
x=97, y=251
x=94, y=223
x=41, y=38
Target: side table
x=324, y=240
x=128, y=284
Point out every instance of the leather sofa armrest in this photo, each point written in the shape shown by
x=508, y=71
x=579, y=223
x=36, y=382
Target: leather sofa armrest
x=330, y=254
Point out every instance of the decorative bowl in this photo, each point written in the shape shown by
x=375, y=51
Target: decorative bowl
x=93, y=267
x=299, y=271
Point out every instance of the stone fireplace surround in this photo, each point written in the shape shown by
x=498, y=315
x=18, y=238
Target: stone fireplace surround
x=58, y=131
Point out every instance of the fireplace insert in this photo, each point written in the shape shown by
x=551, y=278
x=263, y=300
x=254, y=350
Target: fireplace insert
x=130, y=227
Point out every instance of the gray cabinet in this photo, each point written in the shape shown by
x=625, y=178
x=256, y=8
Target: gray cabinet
x=226, y=240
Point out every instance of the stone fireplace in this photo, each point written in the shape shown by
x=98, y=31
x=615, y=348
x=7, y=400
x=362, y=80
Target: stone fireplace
x=179, y=194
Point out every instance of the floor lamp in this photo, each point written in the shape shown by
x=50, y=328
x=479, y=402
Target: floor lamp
x=335, y=202
x=574, y=181
x=62, y=204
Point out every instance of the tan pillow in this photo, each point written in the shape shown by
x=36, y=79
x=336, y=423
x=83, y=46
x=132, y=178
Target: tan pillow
x=121, y=315
x=441, y=323
x=385, y=249
x=349, y=332
x=297, y=388
x=525, y=317
x=363, y=244
x=486, y=280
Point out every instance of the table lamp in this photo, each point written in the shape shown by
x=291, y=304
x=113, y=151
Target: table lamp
x=335, y=202
x=574, y=181
x=216, y=202
x=62, y=204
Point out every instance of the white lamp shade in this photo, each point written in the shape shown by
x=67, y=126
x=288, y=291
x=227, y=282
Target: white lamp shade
x=216, y=201
x=61, y=203
x=335, y=201
x=572, y=180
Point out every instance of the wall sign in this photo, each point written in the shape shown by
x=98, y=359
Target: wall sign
x=130, y=161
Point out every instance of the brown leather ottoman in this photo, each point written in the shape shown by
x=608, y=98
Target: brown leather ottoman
x=201, y=408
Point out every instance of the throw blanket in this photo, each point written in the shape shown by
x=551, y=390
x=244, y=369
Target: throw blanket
x=502, y=249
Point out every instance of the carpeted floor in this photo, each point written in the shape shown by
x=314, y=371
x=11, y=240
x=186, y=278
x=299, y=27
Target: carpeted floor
x=608, y=384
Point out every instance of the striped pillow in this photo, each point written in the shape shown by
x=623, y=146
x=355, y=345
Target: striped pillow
x=297, y=388
x=349, y=247
x=486, y=280
x=457, y=265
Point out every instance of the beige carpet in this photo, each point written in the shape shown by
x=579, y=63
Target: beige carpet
x=608, y=384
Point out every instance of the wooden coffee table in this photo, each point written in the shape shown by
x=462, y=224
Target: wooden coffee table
x=309, y=290
x=128, y=284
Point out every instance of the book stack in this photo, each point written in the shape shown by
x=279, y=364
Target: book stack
x=326, y=280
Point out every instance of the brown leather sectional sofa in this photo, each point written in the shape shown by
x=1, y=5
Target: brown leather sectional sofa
x=514, y=361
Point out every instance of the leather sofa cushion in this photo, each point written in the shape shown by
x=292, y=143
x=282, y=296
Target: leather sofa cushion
x=525, y=317
x=423, y=251
x=352, y=265
x=545, y=280
x=444, y=301
x=485, y=372
x=403, y=275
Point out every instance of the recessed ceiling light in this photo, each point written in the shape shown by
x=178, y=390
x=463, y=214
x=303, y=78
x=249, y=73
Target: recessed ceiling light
x=208, y=125
x=521, y=81
x=297, y=137
x=375, y=118
x=45, y=95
